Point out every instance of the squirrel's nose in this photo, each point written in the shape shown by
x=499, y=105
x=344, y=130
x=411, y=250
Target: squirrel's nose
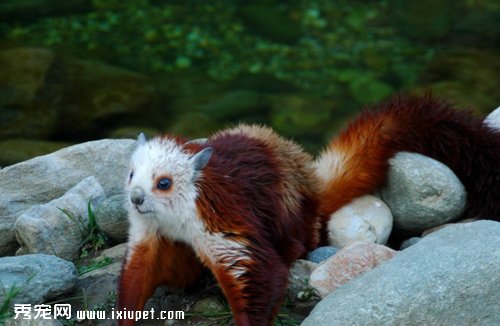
x=137, y=195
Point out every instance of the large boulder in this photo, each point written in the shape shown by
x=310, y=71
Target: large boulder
x=422, y=193
x=59, y=227
x=39, y=277
x=451, y=277
x=45, y=178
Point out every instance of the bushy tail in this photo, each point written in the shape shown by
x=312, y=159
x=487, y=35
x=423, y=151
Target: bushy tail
x=356, y=162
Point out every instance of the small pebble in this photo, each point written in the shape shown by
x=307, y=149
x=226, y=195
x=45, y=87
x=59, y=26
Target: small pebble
x=321, y=254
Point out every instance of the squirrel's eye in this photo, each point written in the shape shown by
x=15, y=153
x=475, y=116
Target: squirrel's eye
x=131, y=175
x=164, y=184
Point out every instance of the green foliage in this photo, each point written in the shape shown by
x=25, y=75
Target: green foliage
x=93, y=239
x=93, y=265
x=307, y=45
x=369, y=89
x=8, y=297
x=308, y=292
x=350, y=53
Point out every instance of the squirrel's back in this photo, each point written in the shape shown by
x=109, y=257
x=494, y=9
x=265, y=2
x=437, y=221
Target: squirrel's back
x=264, y=184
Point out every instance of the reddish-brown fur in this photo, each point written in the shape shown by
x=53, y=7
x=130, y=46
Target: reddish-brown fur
x=241, y=196
x=423, y=125
x=257, y=190
x=155, y=261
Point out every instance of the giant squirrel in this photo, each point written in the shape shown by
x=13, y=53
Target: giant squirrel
x=246, y=203
x=243, y=204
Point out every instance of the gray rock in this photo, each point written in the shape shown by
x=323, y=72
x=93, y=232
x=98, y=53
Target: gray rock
x=45, y=178
x=112, y=219
x=116, y=253
x=40, y=277
x=451, y=277
x=47, y=229
x=320, y=254
x=422, y=193
x=409, y=242
x=99, y=286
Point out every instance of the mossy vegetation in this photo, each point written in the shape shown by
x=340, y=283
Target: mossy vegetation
x=305, y=42
x=193, y=60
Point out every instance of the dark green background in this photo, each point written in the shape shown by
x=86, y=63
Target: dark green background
x=72, y=71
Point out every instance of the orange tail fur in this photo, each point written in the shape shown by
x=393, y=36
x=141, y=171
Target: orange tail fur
x=356, y=162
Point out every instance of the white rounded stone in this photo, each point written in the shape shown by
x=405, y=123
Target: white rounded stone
x=366, y=218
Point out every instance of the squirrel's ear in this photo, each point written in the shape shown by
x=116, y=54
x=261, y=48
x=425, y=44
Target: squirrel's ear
x=201, y=158
x=141, y=139
x=198, y=141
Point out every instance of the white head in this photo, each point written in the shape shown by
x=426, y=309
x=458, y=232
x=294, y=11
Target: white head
x=162, y=187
